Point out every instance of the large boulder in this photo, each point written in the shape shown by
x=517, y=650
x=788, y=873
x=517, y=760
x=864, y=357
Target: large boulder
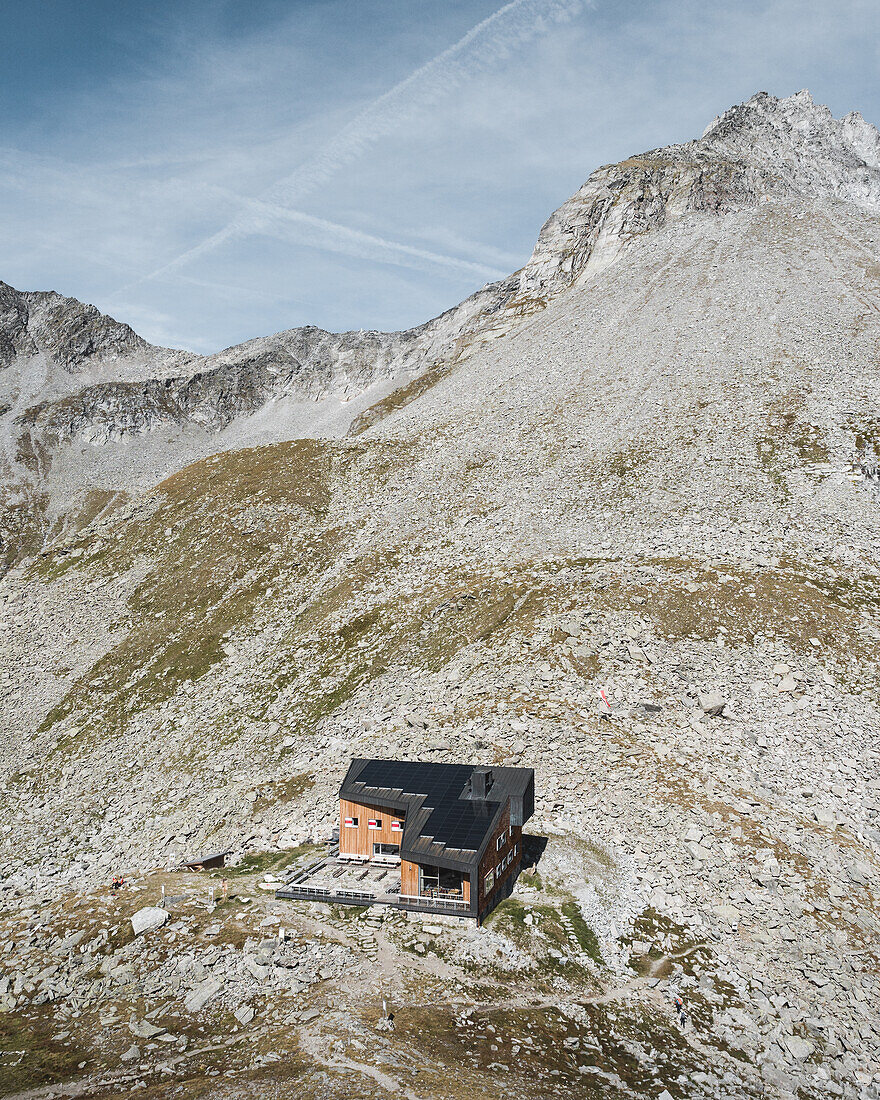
x=148, y=918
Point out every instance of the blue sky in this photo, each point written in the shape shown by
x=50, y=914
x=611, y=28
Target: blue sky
x=211, y=171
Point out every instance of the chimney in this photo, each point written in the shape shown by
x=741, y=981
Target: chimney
x=481, y=782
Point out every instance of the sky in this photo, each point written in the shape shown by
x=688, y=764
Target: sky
x=213, y=170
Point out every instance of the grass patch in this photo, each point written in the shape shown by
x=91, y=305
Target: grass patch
x=267, y=863
x=223, y=528
x=586, y=937
x=399, y=399
x=530, y=1052
x=29, y=1057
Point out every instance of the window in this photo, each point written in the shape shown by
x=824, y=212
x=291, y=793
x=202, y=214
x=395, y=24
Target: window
x=489, y=881
x=351, y=822
x=374, y=823
x=515, y=849
x=510, y=831
x=499, y=843
x=396, y=826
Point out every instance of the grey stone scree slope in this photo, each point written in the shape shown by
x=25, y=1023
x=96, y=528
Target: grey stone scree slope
x=612, y=519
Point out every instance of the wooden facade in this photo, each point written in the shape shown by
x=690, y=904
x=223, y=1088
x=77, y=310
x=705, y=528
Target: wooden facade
x=501, y=862
x=409, y=878
x=359, y=841
x=409, y=881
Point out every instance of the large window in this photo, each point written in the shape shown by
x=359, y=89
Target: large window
x=489, y=881
x=439, y=882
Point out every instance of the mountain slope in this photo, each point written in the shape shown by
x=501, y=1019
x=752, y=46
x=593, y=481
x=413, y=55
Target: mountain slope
x=170, y=408
x=642, y=468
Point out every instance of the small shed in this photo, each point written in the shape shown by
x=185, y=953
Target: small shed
x=204, y=863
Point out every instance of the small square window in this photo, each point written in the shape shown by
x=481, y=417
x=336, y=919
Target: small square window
x=351, y=822
x=374, y=823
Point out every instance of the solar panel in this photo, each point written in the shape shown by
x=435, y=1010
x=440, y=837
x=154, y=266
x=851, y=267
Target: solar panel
x=455, y=818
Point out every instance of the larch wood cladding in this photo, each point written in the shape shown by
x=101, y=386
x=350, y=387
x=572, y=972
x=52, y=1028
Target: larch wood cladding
x=409, y=878
x=360, y=841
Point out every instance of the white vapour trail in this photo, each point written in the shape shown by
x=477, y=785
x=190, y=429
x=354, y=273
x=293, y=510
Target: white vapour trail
x=280, y=221
x=484, y=44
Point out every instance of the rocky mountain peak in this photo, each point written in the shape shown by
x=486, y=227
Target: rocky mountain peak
x=69, y=333
x=803, y=143
x=760, y=150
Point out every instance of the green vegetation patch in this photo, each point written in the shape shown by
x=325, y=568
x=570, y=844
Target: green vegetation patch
x=585, y=935
x=268, y=863
x=30, y=1057
x=554, y=934
x=790, y=439
x=866, y=431
x=399, y=399
x=216, y=543
x=796, y=605
x=612, y=1052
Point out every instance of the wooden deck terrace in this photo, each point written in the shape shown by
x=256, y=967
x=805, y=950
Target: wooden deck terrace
x=364, y=882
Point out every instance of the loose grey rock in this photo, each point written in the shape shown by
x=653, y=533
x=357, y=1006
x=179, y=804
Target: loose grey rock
x=148, y=919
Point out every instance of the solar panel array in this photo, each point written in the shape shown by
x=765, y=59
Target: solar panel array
x=454, y=821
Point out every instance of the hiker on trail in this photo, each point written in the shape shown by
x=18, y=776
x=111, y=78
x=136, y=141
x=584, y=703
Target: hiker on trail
x=117, y=882
x=224, y=889
x=679, y=1008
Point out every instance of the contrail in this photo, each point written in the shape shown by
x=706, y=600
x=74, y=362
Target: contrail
x=342, y=238
x=484, y=44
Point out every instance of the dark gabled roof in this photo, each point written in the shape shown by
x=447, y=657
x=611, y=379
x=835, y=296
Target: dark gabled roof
x=444, y=823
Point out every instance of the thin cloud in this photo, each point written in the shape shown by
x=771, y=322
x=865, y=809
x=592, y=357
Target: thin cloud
x=484, y=45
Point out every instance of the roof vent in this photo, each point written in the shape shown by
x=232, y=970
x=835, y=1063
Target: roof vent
x=481, y=782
